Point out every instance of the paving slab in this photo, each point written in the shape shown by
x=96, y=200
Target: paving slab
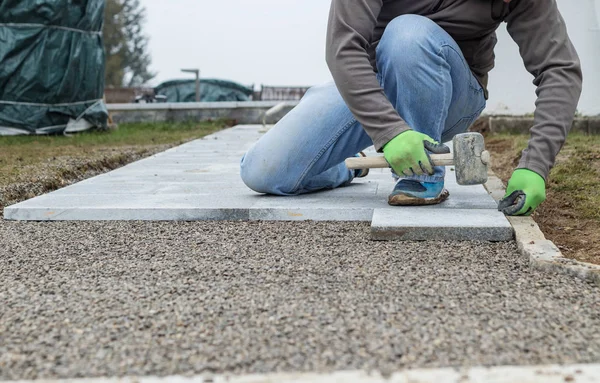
x=200, y=180
x=158, y=207
x=419, y=224
x=151, y=188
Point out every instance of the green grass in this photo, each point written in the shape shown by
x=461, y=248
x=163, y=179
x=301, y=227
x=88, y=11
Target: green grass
x=576, y=175
x=20, y=154
x=126, y=134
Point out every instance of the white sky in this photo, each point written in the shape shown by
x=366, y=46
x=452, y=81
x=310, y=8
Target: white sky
x=282, y=42
x=271, y=42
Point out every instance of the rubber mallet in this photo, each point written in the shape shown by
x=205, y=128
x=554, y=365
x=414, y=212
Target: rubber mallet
x=469, y=158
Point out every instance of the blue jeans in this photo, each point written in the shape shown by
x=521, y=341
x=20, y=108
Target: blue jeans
x=424, y=75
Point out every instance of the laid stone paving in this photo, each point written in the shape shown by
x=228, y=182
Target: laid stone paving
x=200, y=181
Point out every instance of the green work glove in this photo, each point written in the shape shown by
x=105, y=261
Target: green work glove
x=525, y=192
x=406, y=153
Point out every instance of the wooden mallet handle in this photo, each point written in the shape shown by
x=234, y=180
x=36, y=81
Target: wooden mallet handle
x=381, y=163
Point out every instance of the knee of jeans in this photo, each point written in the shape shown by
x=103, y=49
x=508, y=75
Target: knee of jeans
x=251, y=175
x=261, y=175
x=407, y=39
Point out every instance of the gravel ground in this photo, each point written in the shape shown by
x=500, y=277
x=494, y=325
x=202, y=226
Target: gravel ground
x=119, y=298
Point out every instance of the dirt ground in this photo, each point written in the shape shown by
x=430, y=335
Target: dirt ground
x=570, y=217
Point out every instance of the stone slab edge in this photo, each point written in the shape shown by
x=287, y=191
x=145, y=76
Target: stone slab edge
x=449, y=234
x=542, y=253
x=384, y=230
x=504, y=374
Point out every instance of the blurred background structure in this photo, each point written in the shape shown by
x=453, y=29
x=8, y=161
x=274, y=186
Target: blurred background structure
x=60, y=66
x=51, y=66
x=511, y=88
x=277, y=43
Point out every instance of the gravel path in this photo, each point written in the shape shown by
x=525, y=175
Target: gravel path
x=126, y=298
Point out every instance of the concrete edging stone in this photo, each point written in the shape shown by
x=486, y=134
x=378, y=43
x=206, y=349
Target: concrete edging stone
x=542, y=253
x=498, y=374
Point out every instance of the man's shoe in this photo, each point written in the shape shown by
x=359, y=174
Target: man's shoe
x=361, y=173
x=415, y=193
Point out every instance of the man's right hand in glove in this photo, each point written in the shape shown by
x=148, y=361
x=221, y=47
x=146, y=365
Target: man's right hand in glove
x=406, y=154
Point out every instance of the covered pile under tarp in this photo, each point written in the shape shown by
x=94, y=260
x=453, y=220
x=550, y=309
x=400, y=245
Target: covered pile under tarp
x=211, y=90
x=51, y=66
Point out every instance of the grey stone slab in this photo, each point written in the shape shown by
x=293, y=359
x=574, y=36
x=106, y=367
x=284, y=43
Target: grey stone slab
x=427, y=223
x=149, y=188
x=230, y=167
x=99, y=213
x=364, y=214
x=354, y=197
x=133, y=207
x=134, y=201
x=178, y=170
x=197, y=159
x=183, y=177
x=200, y=180
x=226, y=144
x=116, y=180
x=215, y=153
x=221, y=156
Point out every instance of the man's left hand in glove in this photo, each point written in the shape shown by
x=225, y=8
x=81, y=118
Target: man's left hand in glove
x=525, y=192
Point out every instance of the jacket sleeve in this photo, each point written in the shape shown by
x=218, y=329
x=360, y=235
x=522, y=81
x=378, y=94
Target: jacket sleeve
x=349, y=33
x=548, y=54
